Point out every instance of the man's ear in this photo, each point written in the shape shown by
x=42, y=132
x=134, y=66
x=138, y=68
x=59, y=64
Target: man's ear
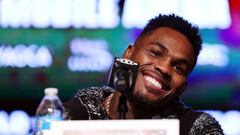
x=128, y=52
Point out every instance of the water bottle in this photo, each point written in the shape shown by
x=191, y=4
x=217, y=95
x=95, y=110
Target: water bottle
x=50, y=109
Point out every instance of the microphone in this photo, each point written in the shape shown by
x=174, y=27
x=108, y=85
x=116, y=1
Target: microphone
x=122, y=78
x=123, y=74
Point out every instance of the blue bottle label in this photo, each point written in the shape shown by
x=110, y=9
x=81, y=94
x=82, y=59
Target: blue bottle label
x=44, y=122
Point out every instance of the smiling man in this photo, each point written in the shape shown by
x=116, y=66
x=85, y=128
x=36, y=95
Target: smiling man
x=167, y=51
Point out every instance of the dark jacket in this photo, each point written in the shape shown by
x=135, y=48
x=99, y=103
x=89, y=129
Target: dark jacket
x=87, y=104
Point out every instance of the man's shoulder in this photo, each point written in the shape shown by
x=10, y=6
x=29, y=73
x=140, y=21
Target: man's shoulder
x=199, y=122
x=204, y=123
x=93, y=92
x=85, y=102
x=208, y=124
x=198, y=117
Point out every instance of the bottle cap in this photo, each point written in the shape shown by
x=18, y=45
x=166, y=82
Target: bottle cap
x=51, y=91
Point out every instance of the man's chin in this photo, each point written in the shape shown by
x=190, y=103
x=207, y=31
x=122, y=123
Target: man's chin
x=146, y=103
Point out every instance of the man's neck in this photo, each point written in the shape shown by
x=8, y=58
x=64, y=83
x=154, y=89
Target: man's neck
x=132, y=113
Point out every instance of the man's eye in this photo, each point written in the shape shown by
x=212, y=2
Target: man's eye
x=179, y=69
x=155, y=53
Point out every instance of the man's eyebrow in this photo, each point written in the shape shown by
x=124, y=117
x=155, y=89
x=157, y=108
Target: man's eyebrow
x=160, y=45
x=182, y=61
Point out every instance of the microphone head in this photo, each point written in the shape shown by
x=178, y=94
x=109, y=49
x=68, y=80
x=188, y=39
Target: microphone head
x=123, y=74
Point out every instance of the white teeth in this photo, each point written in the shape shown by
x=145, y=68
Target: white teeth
x=153, y=81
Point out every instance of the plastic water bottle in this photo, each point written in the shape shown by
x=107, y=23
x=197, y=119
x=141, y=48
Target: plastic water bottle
x=50, y=109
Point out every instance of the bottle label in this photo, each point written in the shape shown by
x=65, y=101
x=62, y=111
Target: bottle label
x=44, y=122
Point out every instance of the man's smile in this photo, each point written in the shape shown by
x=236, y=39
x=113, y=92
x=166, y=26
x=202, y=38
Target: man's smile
x=154, y=81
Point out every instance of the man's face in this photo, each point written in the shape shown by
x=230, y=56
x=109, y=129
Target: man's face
x=165, y=57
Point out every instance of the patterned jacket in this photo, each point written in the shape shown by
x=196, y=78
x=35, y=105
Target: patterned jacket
x=87, y=104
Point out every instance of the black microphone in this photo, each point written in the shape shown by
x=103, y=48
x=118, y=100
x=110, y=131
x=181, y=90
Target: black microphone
x=123, y=74
x=122, y=78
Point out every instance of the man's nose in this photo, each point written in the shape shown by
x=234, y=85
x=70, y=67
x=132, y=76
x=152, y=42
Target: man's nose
x=164, y=68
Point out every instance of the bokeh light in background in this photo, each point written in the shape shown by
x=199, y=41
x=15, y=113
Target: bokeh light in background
x=70, y=44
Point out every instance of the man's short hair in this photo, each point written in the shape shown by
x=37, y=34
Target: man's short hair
x=179, y=24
